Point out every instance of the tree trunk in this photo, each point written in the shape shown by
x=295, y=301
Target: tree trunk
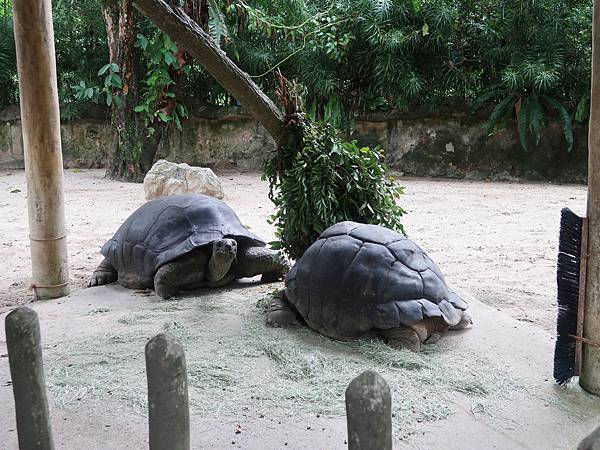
x=133, y=150
x=190, y=36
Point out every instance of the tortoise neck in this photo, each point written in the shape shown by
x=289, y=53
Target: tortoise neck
x=218, y=266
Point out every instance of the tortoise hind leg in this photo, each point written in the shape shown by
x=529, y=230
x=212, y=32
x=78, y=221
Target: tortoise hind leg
x=280, y=312
x=402, y=338
x=105, y=273
x=465, y=321
x=271, y=264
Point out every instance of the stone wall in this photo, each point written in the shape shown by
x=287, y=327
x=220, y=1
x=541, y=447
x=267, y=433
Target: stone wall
x=448, y=146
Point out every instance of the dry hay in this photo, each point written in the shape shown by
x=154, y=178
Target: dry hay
x=239, y=366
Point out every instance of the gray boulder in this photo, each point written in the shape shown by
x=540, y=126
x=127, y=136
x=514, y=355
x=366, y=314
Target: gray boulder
x=167, y=178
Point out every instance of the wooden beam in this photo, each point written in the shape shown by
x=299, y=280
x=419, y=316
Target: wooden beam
x=40, y=118
x=188, y=34
x=590, y=371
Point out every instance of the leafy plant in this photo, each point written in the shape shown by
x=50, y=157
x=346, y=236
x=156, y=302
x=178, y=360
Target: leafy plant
x=325, y=182
x=158, y=102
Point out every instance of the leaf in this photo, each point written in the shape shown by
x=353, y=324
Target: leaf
x=425, y=29
x=142, y=41
x=583, y=109
x=109, y=99
x=117, y=101
x=103, y=69
x=523, y=123
x=216, y=23
x=500, y=112
x=565, y=119
x=170, y=59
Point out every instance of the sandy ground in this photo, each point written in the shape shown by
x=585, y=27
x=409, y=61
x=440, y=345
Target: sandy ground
x=497, y=241
x=257, y=387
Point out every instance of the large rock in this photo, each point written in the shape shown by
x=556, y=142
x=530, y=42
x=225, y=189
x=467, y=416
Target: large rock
x=167, y=178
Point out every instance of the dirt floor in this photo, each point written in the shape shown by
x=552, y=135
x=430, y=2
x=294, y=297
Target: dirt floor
x=497, y=241
x=256, y=387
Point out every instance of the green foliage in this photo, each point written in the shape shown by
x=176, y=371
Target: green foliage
x=8, y=59
x=111, y=89
x=156, y=95
x=317, y=180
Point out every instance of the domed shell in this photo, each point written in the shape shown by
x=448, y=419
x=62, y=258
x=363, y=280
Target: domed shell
x=161, y=230
x=357, y=277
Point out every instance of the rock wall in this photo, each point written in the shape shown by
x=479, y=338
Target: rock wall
x=448, y=146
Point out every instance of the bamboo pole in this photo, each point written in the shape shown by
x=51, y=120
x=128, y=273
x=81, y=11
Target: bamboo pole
x=40, y=119
x=590, y=371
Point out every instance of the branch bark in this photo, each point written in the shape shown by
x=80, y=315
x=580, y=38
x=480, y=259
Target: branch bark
x=189, y=35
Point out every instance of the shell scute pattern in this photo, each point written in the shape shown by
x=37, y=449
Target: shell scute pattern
x=357, y=277
x=164, y=229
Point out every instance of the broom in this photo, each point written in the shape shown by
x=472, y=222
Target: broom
x=570, y=277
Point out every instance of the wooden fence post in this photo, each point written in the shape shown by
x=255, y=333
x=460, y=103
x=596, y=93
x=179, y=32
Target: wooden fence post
x=28, y=383
x=369, y=413
x=168, y=411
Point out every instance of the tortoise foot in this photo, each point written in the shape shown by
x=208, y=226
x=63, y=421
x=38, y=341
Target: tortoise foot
x=434, y=338
x=402, y=338
x=104, y=274
x=280, y=314
x=271, y=277
x=465, y=321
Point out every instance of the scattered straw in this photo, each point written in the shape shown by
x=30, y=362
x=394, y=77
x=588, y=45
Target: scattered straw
x=237, y=365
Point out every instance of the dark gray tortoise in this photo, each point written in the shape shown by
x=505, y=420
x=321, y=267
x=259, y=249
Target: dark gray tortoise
x=185, y=242
x=360, y=280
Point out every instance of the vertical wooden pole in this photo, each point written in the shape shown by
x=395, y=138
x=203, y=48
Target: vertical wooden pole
x=589, y=378
x=29, y=385
x=168, y=411
x=369, y=413
x=40, y=119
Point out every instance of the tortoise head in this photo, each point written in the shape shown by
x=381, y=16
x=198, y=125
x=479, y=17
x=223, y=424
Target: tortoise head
x=225, y=248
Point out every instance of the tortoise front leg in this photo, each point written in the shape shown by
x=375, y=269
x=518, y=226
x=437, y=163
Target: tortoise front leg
x=105, y=273
x=271, y=264
x=185, y=272
x=280, y=312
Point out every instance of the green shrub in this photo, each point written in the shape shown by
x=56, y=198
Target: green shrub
x=317, y=179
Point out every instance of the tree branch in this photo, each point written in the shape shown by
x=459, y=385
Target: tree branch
x=189, y=35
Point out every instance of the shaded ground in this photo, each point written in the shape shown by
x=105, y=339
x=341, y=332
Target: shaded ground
x=495, y=240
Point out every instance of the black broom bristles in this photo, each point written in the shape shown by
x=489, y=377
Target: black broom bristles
x=567, y=277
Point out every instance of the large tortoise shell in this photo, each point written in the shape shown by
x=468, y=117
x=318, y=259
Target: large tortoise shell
x=357, y=277
x=161, y=230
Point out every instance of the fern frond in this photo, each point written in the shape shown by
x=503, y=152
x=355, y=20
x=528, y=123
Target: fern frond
x=523, y=123
x=501, y=112
x=382, y=8
x=537, y=117
x=216, y=23
x=565, y=119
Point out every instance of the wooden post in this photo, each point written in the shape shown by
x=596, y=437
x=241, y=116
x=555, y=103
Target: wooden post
x=28, y=382
x=40, y=119
x=168, y=411
x=369, y=413
x=589, y=378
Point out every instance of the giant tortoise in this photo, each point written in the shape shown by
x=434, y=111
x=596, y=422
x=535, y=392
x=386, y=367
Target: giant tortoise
x=360, y=280
x=185, y=242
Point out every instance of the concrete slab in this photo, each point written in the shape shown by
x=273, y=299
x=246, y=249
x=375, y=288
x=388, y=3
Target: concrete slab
x=93, y=349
